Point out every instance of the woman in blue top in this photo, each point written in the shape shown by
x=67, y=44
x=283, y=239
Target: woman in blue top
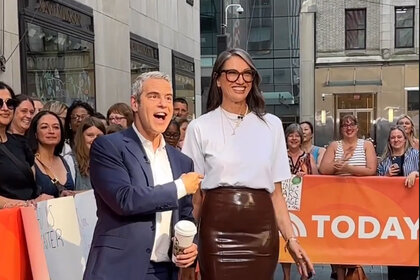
x=400, y=159
x=46, y=139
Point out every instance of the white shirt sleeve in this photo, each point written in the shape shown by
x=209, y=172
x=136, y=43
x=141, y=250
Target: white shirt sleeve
x=180, y=188
x=280, y=167
x=192, y=147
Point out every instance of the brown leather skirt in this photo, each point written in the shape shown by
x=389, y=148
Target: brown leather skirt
x=238, y=236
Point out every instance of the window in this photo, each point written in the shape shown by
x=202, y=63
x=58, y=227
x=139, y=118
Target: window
x=183, y=72
x=355, y=29
x=144, y=56
x=404, y=27
x=413, y=107
x=59, y=66
x=57, y=51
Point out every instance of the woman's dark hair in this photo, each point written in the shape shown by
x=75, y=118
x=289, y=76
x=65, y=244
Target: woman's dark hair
x=175, y=123
x=311, y=127
x=76, y=104
x=32, y=138
x=23, y=97
x=99, y=116
x=6, y=86
x=254, y=100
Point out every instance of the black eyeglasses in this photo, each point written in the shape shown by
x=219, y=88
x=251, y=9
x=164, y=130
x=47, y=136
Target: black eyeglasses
x=171, y=135
x=232, y=75
x=78, y=117
x=10, y=103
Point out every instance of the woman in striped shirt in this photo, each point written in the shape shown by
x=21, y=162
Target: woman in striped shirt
x=348, y=156
x=400, y=159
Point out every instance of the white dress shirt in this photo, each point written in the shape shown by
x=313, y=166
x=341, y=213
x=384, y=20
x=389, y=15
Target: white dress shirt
x=162, y=174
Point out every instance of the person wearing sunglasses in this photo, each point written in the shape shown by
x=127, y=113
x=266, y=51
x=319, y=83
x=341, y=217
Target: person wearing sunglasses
x=241, y=151
x=17, y=181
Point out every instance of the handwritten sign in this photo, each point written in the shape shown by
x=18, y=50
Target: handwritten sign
x=292, y=192
x=61, y=239
x=86, y=215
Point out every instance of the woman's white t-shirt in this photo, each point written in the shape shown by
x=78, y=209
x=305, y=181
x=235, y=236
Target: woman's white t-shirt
x=249, y=153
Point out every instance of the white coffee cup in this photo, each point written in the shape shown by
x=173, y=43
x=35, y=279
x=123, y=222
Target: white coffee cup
x=184, y=236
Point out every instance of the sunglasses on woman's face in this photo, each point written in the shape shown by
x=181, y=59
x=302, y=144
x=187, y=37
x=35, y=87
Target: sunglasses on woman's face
x=10, y=103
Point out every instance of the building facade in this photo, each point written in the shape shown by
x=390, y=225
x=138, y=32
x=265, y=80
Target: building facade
x=92, y=50
x=269, y=31
x=360, y=58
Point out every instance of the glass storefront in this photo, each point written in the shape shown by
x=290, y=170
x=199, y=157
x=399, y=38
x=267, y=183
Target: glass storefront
x=144, y=56
x=57, y=51
x=184, y=79
x=269, y=31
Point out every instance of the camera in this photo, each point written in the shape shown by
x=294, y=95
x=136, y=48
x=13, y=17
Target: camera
x=240, y=10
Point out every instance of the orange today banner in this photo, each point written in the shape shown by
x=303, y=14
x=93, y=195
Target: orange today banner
x=357, y=220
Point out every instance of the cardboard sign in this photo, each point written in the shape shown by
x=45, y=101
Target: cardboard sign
x=61, y=239
x=86, y=215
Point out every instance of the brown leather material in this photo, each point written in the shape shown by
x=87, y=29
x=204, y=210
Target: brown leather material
x=238, y=235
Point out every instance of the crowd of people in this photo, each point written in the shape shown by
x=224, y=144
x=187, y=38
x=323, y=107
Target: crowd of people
x=229, y=161
x=45, y=148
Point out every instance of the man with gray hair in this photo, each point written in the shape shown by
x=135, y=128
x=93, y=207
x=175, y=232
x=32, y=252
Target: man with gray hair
x=142, y=188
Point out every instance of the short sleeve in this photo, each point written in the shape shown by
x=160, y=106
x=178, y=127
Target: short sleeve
x=280, y=166
x=192, y=147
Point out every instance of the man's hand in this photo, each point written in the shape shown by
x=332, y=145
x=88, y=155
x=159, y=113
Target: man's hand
x=191, y=181
x=187, y=257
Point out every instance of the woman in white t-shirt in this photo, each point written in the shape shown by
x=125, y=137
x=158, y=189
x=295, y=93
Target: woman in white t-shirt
x=242, y=153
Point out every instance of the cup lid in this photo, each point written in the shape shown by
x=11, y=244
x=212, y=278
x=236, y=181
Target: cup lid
x=186, y=227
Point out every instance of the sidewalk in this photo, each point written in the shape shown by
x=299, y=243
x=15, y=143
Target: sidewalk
x=323, y=272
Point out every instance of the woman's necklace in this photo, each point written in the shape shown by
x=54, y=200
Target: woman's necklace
x=236, y=122
x=43, y=162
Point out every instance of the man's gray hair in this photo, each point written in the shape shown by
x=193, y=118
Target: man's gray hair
x=137, y=87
